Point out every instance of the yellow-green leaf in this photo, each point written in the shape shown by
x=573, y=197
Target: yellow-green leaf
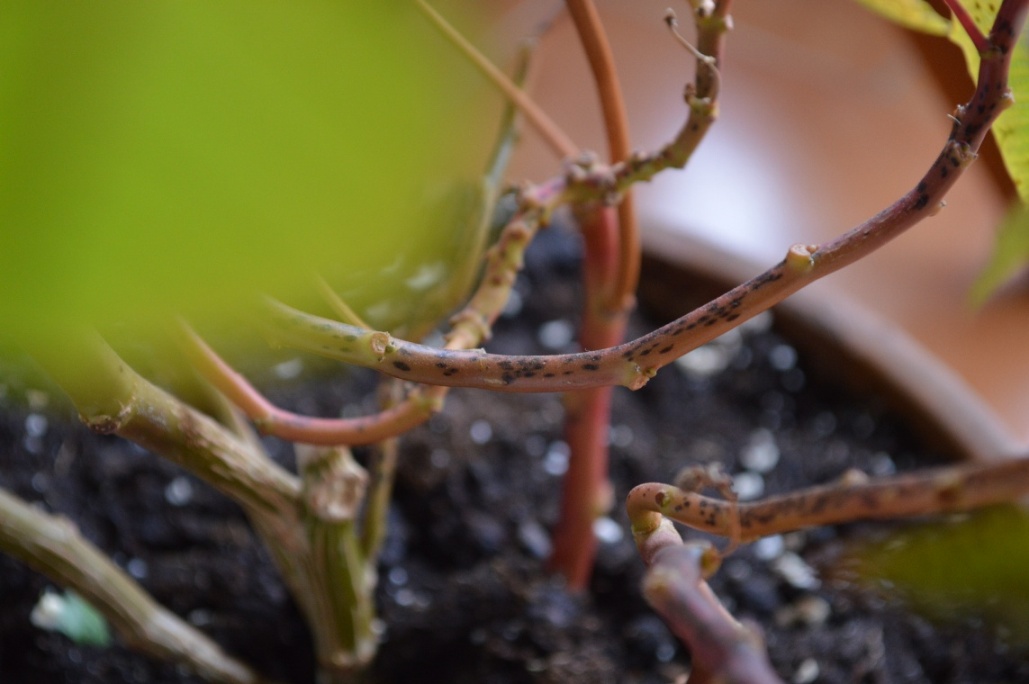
x=169, y=157
x=1010, y=254
x=913, y=14
x=976, y=566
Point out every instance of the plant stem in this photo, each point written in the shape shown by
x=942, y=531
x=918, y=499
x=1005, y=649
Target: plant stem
x=272, y=420
x=53, y=546
x=339, y=602
x=854, y=497
x=383, y=472
x=586, y=492
x=631, y=364
x=556, y=139
x=980, y=41
x=113, y=398
x=620, y=291
x=722, y=650
x=611, y=256
x=317, y=554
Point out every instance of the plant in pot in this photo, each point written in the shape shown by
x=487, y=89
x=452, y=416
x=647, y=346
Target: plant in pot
x=324, y=525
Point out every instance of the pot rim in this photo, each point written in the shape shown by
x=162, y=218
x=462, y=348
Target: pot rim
x=863, y=349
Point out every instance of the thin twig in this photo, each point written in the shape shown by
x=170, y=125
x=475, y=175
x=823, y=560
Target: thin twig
x=338, y=306
x=272, y=420
x=551, y=133
x=980, y=41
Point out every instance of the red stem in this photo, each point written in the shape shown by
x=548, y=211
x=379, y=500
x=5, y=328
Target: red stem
x=961, y=14
x=586, y=493
x=610, y=272
x=414, y=410
x=620, y=290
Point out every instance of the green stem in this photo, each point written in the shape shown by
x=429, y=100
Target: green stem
x=113, y=398
x=339, y=601
x=53, y=546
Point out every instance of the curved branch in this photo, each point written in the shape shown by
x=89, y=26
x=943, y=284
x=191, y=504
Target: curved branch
x=722, y=649
x=633, y=363
x=414, y=410
x=854, y=497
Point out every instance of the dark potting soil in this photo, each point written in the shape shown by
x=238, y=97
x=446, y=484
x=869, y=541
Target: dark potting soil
x=462, y=592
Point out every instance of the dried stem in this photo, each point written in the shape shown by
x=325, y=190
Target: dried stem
x=854, y=497
x=53, y=546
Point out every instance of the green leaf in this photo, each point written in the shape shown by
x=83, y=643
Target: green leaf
x=975, y=565
x=73, y=617
x=182, y=157
x=1010, y=254
x=913, y=14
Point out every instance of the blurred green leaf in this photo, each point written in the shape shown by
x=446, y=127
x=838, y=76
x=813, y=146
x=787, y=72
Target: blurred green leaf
x=913, y=14
x=1010, y=254
x=976, y=566
x=176, y=157
x=72, y=616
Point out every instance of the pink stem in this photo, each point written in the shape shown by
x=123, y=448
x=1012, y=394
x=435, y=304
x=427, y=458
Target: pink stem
x=962, y=15
x=586, y=492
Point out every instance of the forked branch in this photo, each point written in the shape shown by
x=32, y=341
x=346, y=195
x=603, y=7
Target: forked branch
x=633, y=363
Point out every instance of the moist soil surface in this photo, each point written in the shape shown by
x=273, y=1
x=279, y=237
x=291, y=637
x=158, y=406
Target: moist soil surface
x=462, y=590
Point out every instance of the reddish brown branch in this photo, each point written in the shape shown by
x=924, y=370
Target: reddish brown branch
x=586, y=493
x=618, y=294
x=272, y=420
x=980, y=41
